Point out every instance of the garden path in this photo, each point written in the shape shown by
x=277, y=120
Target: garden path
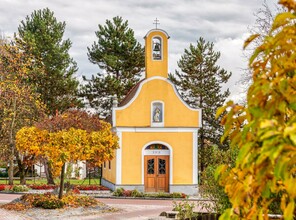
x=141, y=209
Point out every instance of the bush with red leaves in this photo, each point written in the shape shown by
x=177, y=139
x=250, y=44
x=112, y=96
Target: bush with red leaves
x=40, y=187
x=5, y=187
x=91, y=187
x=127, y=193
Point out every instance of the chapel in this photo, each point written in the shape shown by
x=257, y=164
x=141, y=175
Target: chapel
x=157, y=130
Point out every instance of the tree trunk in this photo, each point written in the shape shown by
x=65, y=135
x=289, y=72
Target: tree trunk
x=62, y=181
x=10, y=170
x=201, y=135
x=22, y=172
x=11, y=144
x=48, y=173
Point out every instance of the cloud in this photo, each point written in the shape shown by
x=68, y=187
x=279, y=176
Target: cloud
x=233, y=60
x=222, y=22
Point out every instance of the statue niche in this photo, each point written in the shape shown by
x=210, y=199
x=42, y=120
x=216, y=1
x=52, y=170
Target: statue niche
x=157, y=116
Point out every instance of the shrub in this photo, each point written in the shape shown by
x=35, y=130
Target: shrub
x=178, y=195
x=118, y=192
x=184, y=209
x=52, y=203
x=72, y=200
x=46, y=201
x=76, y=190
x=210, y=188
x=163, y=195
x=4, y=187
x=20, y=188
x=15, y=188
x=136, y=193
x=127, y=193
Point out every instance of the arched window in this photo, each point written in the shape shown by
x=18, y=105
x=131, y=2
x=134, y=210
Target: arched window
x=156, y=147
x=157, y=114
x=156, y=48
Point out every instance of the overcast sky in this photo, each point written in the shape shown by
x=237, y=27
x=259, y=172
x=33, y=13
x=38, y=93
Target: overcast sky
x=223, y=22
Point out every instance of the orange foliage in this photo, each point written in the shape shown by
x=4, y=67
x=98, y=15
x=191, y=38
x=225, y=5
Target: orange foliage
x=68, y=145
x=265, y=130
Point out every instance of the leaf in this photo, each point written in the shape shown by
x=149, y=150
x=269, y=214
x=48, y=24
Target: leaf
x=243, y=152
x=266, y=191
x=282, y=19
x=256, y=111
x=283, y=85
x=255, y=54
x=290, y=186
x=290, y=132
x=288, y=213
x=226, y=215
x=282, y=107
x=268, y=134
x=220, y=111
x=267, y=148
x=266, y=123
x=293, y=106
x=281, y=168
x=250, y=39
x=219, y=170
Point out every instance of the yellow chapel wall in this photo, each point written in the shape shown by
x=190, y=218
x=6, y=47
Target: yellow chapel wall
x=182, y=155
x=110, y=174
x=138, y=113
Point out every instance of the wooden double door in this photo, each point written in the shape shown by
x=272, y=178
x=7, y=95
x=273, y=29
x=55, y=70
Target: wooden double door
x=156, y=174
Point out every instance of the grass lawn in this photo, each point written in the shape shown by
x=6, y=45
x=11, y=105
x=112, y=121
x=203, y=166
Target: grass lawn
x=41, y=181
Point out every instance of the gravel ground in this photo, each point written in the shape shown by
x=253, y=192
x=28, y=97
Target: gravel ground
x=115, y=209
x=56, y=214
x=53, y=214
x=68, y=213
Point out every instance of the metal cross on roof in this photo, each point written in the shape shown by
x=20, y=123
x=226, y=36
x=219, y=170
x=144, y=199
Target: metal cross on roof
x=156, y=22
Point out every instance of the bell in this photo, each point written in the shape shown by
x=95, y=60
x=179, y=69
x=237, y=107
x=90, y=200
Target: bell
x=156, y=47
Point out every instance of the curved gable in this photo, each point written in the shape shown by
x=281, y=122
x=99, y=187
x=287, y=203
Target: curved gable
x=136, y=110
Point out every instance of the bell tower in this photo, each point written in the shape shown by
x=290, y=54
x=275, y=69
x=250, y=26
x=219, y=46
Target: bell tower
x=156, y=53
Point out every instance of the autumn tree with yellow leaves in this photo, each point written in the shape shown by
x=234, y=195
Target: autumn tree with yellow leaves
x=20, y=105
x=70, y=137
x=265, y=130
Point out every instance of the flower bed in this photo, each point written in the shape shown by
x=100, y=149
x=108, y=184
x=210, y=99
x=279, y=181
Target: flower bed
x=42, y=187
x=14, y=188
x=4, y=187
x=21, y=188
x=135, y=193
x=91, y=187
x=51, y=201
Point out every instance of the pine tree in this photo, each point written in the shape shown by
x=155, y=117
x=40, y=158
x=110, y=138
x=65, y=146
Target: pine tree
x=120, y=58
x=200, y=83
x=42, y=36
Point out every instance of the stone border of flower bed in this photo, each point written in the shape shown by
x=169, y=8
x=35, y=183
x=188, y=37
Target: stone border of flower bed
x=41, y=189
